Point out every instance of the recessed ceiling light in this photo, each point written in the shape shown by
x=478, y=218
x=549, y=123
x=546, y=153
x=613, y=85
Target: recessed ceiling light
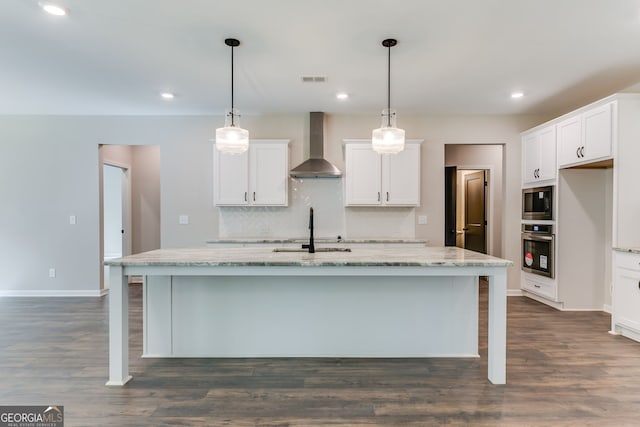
x=516, y=95
x=53, y=9
x=167, y=95
x=342, y=95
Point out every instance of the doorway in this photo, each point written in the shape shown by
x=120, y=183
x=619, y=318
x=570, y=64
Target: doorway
x=466, y=208
x=474, y=190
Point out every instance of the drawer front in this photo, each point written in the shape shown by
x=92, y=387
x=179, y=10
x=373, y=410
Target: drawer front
x=628, y=260
x=539, y=287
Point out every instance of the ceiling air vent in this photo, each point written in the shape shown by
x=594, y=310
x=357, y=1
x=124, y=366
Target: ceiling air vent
x=313, y=79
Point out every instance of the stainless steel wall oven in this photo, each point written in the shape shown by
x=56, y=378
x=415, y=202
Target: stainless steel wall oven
x=538, y=246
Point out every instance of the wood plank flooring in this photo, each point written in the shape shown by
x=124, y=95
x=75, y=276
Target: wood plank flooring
x=563, y=369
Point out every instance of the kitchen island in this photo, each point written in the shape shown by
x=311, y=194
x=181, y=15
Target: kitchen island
x=254, y=302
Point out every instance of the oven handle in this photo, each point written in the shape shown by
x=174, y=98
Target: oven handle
x=538, y=237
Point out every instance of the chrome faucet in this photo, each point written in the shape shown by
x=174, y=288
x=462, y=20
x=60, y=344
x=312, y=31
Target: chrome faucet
x=310, y=246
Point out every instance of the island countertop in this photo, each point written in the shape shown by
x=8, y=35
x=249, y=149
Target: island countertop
x=403, y=301
x=359, y=257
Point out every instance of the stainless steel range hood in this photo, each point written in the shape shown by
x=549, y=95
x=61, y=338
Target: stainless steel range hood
x=316, y=166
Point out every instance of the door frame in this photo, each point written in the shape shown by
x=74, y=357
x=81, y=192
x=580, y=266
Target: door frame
x=489, y=206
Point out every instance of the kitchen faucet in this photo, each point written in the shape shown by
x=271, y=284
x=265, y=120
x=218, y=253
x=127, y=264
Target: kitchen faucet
x=310, y=246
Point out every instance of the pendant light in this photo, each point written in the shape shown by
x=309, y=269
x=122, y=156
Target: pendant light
x=388, y=139
x=232, y=138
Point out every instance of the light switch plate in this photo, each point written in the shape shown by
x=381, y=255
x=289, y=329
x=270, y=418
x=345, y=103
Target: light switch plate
x=183, y=219
x=52, y=272
x=72, y=219
x=422, y=219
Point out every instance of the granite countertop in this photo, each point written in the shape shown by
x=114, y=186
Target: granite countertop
x=632, y=250
x=316, y=240
x=360, y=257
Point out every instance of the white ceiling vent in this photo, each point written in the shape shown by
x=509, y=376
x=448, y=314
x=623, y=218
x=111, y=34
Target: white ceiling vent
x=313, y=79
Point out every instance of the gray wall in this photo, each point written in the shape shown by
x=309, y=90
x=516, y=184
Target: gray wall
x=50, y=169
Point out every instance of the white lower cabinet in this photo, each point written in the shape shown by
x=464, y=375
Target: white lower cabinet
x=540, y=285
x=625, y=316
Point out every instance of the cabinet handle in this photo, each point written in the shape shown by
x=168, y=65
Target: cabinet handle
x=378, y=196
x=387, y=196
x=578, y=152
x=582, y=151
x=537, y=286
x=639, y=285
x=245, y=196
x=254, y=196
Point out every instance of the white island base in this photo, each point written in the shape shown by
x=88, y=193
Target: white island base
x=327, y=316
x=249, y=302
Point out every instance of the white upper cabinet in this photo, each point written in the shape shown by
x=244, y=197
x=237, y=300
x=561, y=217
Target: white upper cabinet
x=258, y=177
x=586, y=137
x=372, y=179
x=363, y=176
x=539, y=155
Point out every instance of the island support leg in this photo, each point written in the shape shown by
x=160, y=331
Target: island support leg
x=497, y=340
x=118, y=327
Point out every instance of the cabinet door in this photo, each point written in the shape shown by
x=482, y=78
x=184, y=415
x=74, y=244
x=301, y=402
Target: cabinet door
x=401, y=177
x=230, y=179
x=363, y=175
x=268, y=174
x=626, y=298
x=596, y=125
x=570, y=141
x=530, y=157
x=547, y=167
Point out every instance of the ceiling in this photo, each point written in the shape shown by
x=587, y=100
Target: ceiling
x=452, y=57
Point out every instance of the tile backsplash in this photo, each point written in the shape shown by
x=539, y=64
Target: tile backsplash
x=331, y=217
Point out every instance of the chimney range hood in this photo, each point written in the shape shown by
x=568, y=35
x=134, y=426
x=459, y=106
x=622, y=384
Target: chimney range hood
x=316, y=166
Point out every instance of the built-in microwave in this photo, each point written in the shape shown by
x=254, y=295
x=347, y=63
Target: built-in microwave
x=537, y=203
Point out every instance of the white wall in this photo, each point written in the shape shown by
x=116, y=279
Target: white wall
x=49, y=169
x=145, y=200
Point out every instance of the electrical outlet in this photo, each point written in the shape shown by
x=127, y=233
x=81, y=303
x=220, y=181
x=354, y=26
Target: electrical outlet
x=72, y=219
x=52, y=273
x=422, y=219
x=183, y=219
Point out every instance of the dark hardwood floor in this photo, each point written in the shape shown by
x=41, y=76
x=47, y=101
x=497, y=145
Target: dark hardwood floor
x=563, y=369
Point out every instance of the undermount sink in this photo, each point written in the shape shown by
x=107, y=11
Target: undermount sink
x=307, y=250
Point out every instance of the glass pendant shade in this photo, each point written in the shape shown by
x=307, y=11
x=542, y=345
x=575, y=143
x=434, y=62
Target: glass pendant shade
x=388, y=139
x=231, y=138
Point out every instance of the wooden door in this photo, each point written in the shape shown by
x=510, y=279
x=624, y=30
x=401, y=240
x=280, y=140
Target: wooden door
x=474, y=216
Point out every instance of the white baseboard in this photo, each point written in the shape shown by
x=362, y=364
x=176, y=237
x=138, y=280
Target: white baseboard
x=607, y=308
x=514, y=293
x=53, y=293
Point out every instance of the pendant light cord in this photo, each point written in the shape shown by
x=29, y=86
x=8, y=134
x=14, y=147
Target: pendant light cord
x=232, y=113
x=389, y=87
